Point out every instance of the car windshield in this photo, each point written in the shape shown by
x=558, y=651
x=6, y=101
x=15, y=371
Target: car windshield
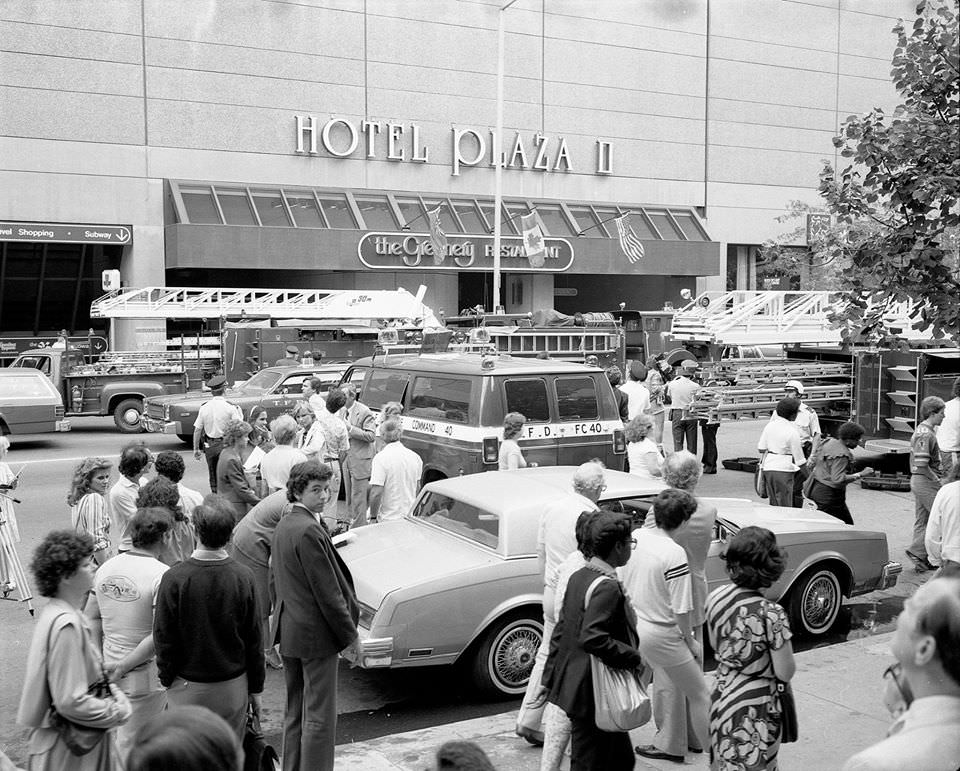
x=460, y=518
x=260, y=383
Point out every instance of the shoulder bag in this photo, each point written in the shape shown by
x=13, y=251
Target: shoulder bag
x=258, y=755
x=80, y=739
x=789, y=727
x=621, y=702
x=759, y=483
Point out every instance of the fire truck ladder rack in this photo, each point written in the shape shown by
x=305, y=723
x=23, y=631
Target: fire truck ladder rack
x=757, y=318
x=778, y=371
x=206, y=303
x=732, y=403
x=558, y=342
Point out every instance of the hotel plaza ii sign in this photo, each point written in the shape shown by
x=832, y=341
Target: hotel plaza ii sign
x=393, y=251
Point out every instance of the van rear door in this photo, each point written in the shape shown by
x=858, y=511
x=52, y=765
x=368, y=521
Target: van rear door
x=585, y=427
x=531, y=398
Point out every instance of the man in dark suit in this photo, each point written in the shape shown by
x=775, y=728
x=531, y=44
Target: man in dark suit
x=362, y=430
x=317, y=615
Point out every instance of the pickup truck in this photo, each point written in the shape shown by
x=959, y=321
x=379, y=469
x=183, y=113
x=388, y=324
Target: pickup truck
x=116, y=384
x=29, y=404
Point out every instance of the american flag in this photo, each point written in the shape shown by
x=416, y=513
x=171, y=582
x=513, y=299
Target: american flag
x=438, y=239
x=629, y=240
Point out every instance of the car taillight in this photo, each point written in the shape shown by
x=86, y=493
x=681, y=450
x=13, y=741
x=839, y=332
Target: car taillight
x=491, y=450
x=619, y=442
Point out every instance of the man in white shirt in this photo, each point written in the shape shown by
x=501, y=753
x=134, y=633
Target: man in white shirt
x=638, y=396
x=682, y=390
x=927, y=648
x=311, y=392
x=122, y=498
x=781, y=453
x=121, y=610
x=394, y=475
x=948, y=434
x=807, y=423
x=942, y=538
x=212, y=419
x=556, y=540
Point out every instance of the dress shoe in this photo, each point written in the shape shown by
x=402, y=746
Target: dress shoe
x=533, y=737
x=709, y=469
x=273, y=659
x=695, y=750
x=649, y=751
x=920, y=564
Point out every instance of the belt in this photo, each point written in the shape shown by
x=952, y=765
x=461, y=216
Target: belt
x=331, y=459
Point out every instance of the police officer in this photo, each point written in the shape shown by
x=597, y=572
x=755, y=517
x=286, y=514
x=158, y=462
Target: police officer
x=290, y=360
x=212, y=419
x=924, y=475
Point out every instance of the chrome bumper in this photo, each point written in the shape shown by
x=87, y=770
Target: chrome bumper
x=62, y=425
x=891, y=572
x=375, y=652
x=155, y=426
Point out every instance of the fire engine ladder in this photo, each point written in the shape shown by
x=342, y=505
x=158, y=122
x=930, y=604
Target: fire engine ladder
x=770, y=372
x=757, y=318
x=205, y=303
x=560, y=343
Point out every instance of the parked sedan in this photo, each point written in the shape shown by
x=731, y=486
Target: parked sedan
x=29, y=403
x=456, y=580
x=277, y=389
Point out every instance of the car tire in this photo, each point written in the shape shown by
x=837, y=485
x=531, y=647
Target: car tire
x=126, y=416
x=504, y=659
x=815, y=601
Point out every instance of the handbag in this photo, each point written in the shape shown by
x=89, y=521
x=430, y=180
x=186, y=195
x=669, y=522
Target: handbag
x=759, y=483
x=789, y=726
x=257, y=754
x=621, y=703
x=80, y=739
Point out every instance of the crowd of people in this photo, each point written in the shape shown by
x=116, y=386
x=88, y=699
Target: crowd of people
x=167, y=606
x=172, y=604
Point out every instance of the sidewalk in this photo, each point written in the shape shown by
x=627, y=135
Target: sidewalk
x=838, y=692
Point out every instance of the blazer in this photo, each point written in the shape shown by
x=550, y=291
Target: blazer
x=317, y=609
x=604, y=630
x=362, y=430
x=233, y=485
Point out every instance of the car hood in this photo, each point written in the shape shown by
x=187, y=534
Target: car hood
x=193, y=397
x=404, y=553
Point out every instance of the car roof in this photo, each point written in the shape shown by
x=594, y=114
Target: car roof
x=293, y=369
x=20, y=372
x=471, y=364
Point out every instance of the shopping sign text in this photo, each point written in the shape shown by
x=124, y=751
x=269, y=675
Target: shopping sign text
x=385, y=140
x=389, y=251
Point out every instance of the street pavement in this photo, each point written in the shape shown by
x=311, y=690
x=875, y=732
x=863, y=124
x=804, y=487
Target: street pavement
x=382, y=707
x=840, y=711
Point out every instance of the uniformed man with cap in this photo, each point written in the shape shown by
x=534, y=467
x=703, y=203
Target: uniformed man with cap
x=290, y=360
x=807, y=422
x=212, y=419
x=682, y=390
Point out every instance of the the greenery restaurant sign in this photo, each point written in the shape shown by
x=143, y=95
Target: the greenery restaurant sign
x=393, y=251
x=385, y=140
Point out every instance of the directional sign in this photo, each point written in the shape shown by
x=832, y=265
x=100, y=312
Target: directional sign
x=60, y=233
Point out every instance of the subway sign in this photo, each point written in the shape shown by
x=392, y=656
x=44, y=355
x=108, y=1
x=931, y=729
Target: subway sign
x=60, y=233
x=393, y=251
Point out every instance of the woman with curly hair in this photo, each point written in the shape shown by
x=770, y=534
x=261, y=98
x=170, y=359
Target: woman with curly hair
x=645, y=458
x=88, y=504
x=64, y=669
x=232, y=483
x=511, y=456
x=161, y=493
x=751, y=637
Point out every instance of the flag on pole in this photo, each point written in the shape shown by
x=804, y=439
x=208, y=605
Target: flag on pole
x=629, y=240
x=533, y=245
x=438, y=239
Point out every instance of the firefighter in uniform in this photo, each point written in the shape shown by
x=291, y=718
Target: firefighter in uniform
x=212, y=419
x=924, y=475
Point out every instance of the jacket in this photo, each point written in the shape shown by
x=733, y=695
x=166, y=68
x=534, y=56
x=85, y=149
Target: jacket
x=604, y=630
x=317, y=609
x=362, y=430
x=232, y=483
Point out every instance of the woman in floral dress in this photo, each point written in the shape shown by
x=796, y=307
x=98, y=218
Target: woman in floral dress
x=751, y=637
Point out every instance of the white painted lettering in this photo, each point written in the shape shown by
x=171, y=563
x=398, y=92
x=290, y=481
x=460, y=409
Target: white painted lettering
x=417, y=153
x=518, y=151
x=458, y=157
x=563, y=156
x=394, y=135
x=306, y=125
x=604, y=157
x=371, y=128
x=351, y=132
x=541, y=161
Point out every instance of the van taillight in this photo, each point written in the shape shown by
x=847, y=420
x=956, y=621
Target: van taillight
x=619, y=442
x=491, y=450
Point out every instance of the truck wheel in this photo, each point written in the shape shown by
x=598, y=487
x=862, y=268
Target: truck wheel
x=127, y=416
x=504, y=660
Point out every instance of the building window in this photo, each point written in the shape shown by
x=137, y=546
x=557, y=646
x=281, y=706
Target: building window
x=668, y=231
x=507, y=227
x=554, y=220
x=413, y=214
x=236, y=207
x=337, y=211
x=303, y=207
x=200, y=206
x=640, y=226
x=587, y=222
x=691, y=229
x=270, y=208
x=470, y=217
x=447, y=222
x=376, y=213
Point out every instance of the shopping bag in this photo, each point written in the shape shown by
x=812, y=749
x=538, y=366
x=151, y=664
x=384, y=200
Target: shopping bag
x=621, y=702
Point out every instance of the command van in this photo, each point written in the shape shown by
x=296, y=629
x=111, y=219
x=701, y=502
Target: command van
x=454, y=405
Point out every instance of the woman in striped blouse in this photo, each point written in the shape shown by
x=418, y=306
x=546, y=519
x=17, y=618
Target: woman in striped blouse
x=88, y=507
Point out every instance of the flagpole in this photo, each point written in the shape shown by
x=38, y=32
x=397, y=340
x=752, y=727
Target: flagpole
x=498, y=156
